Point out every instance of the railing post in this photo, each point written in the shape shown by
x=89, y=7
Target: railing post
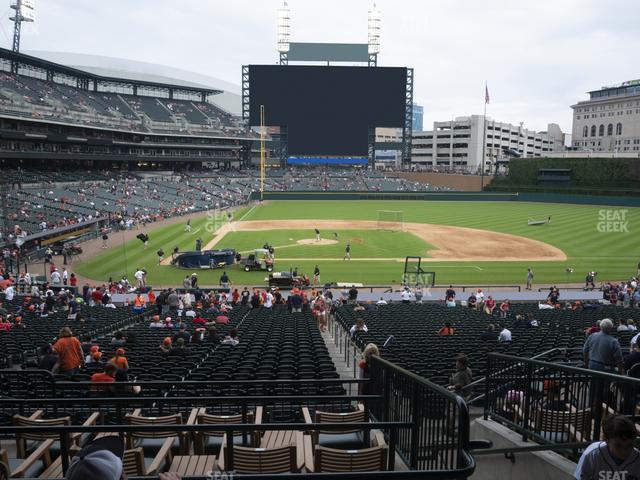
x=64, y=451
x=244, y=420
x=229, y=450
x=392, y=450
x=415, y=430
x=487, y=387
x=527, y=401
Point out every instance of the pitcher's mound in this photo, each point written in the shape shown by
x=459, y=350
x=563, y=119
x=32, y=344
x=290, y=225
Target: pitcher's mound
x=313, y=241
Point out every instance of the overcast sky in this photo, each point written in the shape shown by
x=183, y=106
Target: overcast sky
x=538, y=57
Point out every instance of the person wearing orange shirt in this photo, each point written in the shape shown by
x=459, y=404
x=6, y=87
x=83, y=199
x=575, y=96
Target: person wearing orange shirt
x=119, y=360
x=108, y=376
x=139, y=303
x=447, y=330
x=69, y=351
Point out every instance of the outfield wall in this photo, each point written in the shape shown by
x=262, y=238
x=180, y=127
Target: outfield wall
x=352, y=195
x=453, y=196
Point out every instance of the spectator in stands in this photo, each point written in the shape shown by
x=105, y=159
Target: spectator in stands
x=505, y=334
x=472, y=301
x=447, y=330
x=529, y=278
x=119, y=360
x=90, y=357
x=622, y=325
x=554, y=295
x=489, y=334
x=631, y=325
x=531, y=321
x=5, y=325
x=48, y=358
x=632, y=358
x=462, y=377
x=382, y=301
x=370, y=350
x=450, y=293
x=489, y=305
x=601, y=351
x=480, y=299
x=212, y=335
x=295, y=301
x=418, y=293
x=108, y=376
x=504, y=308
x=165, y=346
x=231, y=338
x=182, y=333
x=118, y=339
x=173, y=299
x=613, y=458
x=245, y=295
x=519, y=322
x=353, y=296
x=450, y=302
x=235, y=296
x=405, y=295
x=359, y=326
x=156, y=322
x=69, y=352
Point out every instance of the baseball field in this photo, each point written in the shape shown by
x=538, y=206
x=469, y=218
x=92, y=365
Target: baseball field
x=463, y=242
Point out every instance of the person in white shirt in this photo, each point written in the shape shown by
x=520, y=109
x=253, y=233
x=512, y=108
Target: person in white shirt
x=405, y=295
x=139, y=276
x=268, y=301
x=382, y=301
x=479, y=299
x=615, y=458
x=65, y=276
x=9, y=293
x=359, y=326
x=505, y=335
x=56, y=279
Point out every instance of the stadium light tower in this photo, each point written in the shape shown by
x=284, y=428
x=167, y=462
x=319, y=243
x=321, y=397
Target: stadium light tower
x=25, y=12
x=284, y=17
x=374, y=34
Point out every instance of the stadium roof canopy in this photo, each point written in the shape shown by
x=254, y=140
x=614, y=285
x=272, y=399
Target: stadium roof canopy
x=92, y=81
x=229, y=100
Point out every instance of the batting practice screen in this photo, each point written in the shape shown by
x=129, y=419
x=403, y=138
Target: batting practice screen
x=327, y=110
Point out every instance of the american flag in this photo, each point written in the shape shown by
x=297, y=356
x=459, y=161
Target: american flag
x=486, y=93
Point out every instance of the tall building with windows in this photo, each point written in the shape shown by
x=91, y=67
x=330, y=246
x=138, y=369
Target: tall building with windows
x=418, y=113
x=609, y=121
x=457, y=144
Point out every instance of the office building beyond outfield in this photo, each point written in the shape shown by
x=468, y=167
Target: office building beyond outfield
x=457, y=144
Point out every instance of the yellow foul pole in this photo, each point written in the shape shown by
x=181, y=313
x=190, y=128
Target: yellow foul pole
x=262, y=152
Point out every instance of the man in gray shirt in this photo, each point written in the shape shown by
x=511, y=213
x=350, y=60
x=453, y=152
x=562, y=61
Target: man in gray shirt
x=173, y=300
x=615, y=458
x=602, y=351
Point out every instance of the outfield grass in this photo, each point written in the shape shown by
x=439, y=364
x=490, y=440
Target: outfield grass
x=574, y=229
